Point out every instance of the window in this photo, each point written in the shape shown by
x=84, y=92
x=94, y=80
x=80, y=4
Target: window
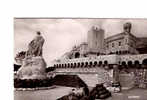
x=126, y=41
x=119, y=43
x=112, y=44
x=107, y=46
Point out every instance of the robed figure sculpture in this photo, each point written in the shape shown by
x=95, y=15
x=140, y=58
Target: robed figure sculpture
x=33, y=64
x=35, y=46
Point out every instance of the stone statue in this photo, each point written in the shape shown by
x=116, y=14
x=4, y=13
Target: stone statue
x=35, y=46
x=33, y=64
x=127, y=27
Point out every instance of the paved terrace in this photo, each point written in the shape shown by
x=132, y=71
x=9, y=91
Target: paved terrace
x=53, y=94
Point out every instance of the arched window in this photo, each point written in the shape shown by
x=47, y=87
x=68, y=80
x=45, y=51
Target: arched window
x=117, y=52
x=68, y=65
x=106, y=62
x=95, y=62
x=71, y=65
x=77, y=55
x=130, y=64
x=74, y=65
x=100, y=63
x=119, y=43
x=86, y=64
x=78, y=64
x=123, y=63
x=59, y=65
x=90, y=63
x=82, y=64
x=64, y=65
x=144, y=62
x=113, y=45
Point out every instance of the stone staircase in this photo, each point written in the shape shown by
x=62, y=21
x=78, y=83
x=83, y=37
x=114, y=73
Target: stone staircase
x=99, y=76
x=126, y=81
x=89, y=79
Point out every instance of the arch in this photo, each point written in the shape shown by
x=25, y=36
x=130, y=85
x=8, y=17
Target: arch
x=123, y=63
x=65, y=65
x=120, y=52
x=82, y=64
x=59, y=65
x=136, y=64
x=98, y=54
x=90, y=64
x=68, y=65
x=117, y=52
x=95, y=62
x=77, y=55
x=78, y=64
x=71, y=65
x=74, y=65
x=106, y=62
x=100, y=62
x=62, y=65
x=144, y=62
x=86, y=63
x=130, y=64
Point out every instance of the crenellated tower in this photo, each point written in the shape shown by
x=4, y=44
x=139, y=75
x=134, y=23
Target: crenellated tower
x=95, y=39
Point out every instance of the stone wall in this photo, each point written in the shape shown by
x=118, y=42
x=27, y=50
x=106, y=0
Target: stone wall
x=91, y=76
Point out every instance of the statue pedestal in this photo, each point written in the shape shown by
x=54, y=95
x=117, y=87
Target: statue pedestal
x=32, y=68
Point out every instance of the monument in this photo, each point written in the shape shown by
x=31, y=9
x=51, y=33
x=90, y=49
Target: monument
x=33, y=64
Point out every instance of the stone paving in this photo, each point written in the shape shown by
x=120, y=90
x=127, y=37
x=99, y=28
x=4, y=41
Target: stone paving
x=53, y=94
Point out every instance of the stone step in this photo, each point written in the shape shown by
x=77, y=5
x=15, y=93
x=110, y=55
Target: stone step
x=89, y=79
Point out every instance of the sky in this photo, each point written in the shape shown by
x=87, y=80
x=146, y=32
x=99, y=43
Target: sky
x=62, y=34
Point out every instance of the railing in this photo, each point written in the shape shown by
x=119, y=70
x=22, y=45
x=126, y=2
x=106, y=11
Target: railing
x=139, y=57
x=110, y=58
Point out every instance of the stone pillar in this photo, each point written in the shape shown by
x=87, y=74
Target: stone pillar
x=115, y=74
x=116, y=82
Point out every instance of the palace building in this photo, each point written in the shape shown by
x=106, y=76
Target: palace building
x=120, y=44
x=122, y=51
